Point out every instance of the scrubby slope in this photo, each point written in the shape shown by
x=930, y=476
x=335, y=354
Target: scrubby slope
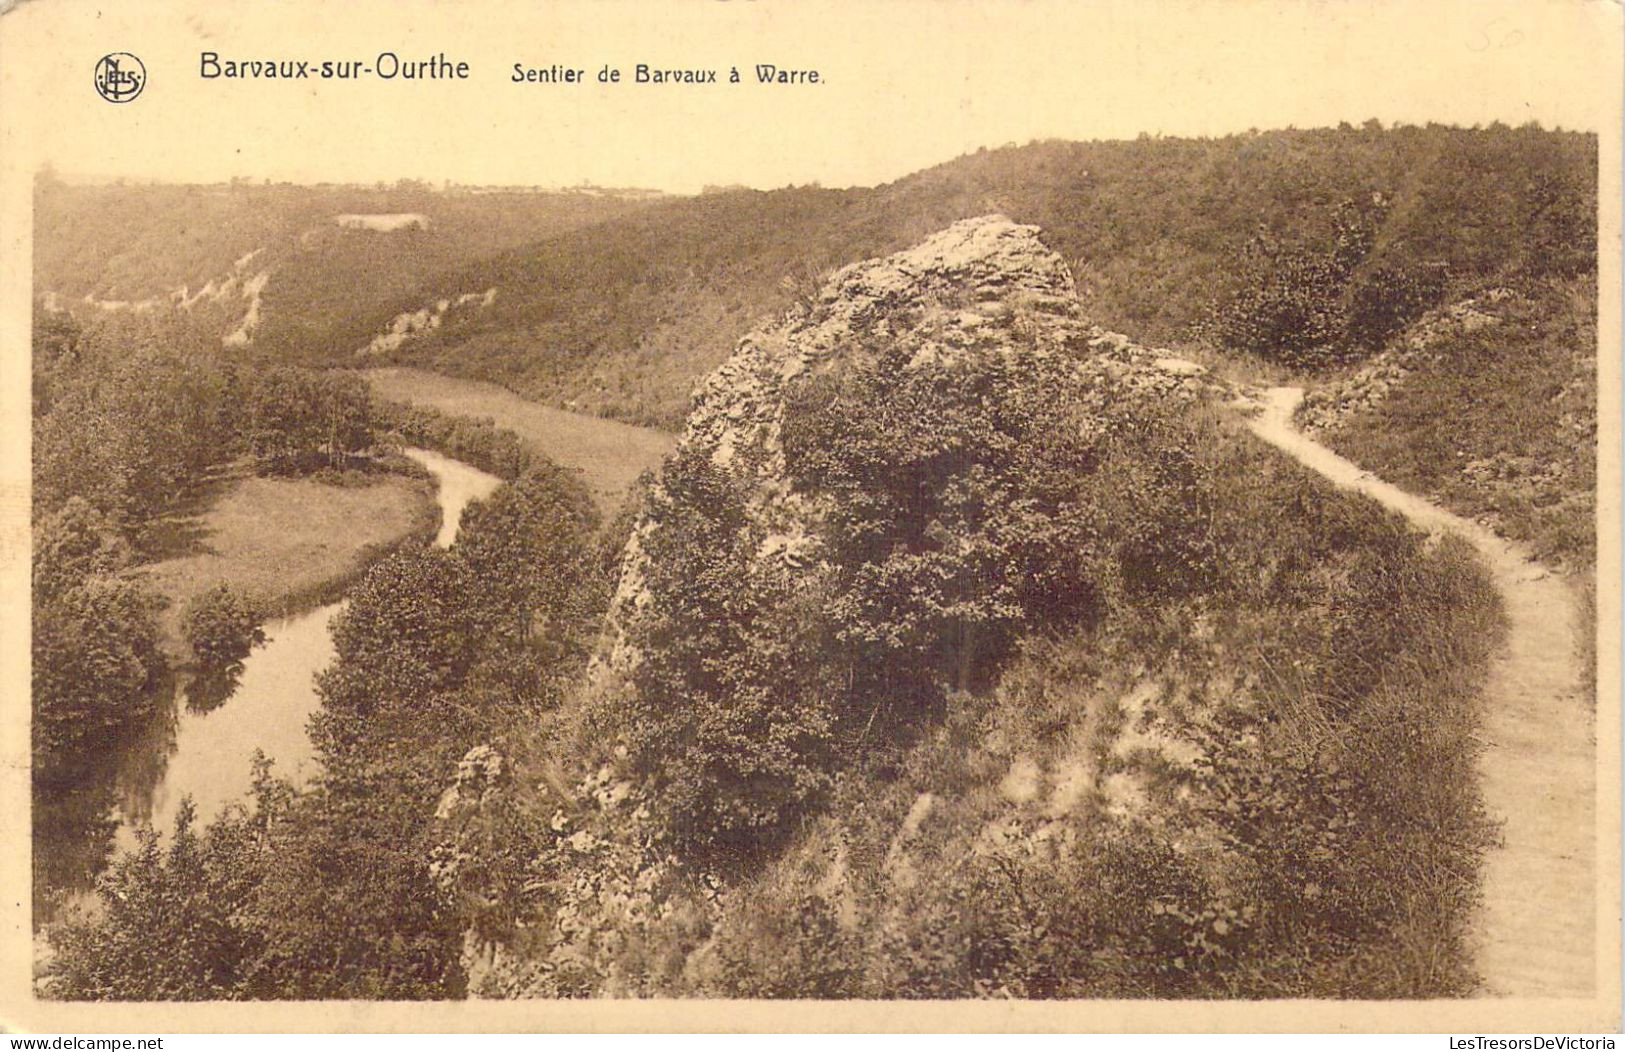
x=1490, y=406
x=1538, y=769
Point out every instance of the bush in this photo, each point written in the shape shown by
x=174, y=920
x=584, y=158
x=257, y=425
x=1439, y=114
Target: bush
x=1390, y=296
x=1290, y=312
x=729, y=719
x=1309, y=306
x=221, y=627
x=74, y=544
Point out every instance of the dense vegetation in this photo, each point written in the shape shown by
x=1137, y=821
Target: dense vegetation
x=1023, y=572
x=1039, y=839
x=328, y=892
x=133, y=413
x=477, y=442
x=780, y=721
x=96, y=665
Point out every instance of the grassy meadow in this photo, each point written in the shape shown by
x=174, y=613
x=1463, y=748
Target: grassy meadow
x=611, y=455
x=286, y=543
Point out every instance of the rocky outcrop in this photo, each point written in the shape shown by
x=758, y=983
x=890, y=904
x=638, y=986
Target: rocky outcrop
x=981, y=284
x=1421, y=346
x=237, y=284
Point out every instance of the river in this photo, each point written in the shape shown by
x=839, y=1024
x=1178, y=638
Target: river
x=205, y=751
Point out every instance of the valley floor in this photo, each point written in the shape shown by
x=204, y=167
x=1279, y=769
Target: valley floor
x=610, y=454
x=1535, y=936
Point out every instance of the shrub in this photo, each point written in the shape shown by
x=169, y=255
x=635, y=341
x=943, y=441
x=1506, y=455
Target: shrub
x=963, y=505
x=1288, y=312
x=149, y=896
x=1309, y=306
x=1390, y=296
x=76, y=543
x=729, y=718
x=221, y=627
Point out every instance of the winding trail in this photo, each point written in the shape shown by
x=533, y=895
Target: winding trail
x=1536, y=931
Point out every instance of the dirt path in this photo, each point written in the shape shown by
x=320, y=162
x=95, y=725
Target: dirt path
x=1536, y=931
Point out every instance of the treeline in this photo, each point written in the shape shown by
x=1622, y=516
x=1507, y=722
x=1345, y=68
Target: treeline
x=349, y=889
x=132, y=414
x=475, y=441
x=1160, y=233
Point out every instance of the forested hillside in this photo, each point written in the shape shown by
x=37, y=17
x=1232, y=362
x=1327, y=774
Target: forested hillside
x=623, y=316
x=326, y=252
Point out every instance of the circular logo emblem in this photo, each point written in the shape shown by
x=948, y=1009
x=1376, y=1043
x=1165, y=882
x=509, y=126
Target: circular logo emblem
x=120, y=77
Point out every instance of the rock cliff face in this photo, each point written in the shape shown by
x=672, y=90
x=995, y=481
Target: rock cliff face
x=982, y=283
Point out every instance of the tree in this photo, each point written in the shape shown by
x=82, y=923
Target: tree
x=297, y=418
x=1389, y=296
x=135, y=414
x=184, y=900
x=527, y=545
x=75, y=543
x=413, y=629
x=56, y=351
x=221, y=627
x=96, y=672
x=729, y=718
x=1293, y=303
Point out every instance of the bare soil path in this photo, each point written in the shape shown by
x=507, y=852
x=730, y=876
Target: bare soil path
x=1536, y=931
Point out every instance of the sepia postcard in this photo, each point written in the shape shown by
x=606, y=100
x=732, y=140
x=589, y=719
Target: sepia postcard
x=760, y=516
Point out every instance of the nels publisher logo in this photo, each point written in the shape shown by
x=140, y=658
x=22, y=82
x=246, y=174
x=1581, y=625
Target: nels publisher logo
x=120, y=76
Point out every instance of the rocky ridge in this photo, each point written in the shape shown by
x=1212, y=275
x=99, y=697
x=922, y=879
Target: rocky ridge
x=982, y=283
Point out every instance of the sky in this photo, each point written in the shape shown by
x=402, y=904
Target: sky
x=904, y=84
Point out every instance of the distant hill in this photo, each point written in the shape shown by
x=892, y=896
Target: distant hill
x=615, y=303
x=304, y=259
x=620, y=317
